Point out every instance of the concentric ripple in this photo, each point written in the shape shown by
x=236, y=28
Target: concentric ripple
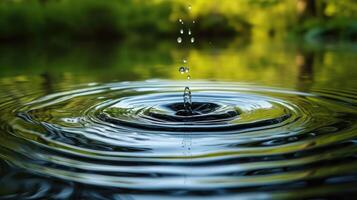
x=136, y=136
x=211, y=112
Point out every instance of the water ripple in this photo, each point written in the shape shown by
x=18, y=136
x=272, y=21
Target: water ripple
x=136, y=136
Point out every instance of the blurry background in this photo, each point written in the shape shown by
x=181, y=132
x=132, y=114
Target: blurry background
x=118, y=19
x=295, y=43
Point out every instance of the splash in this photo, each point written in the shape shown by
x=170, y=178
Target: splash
x=187, y=99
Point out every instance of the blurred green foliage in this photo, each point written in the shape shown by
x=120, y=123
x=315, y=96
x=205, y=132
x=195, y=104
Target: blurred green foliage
x=82, y=19
x=88, y=19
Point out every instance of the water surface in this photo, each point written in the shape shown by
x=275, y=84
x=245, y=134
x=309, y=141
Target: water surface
x=108, y=122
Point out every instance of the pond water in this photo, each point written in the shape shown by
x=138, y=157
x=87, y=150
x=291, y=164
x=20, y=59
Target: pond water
x=270, y=120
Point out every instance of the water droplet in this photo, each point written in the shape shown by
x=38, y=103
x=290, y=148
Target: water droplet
x=193, y=22
x=180, y=20
x=192, y=40
x=188, y=77
x=187, y=69
x=182, y=70
x=189, y=32
x=184, y=61
x=181, y=31
x=189, y=7
x=179, y=40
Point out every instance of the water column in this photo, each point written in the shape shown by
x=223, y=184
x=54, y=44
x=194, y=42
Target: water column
x=186, y=37
x=184, y=69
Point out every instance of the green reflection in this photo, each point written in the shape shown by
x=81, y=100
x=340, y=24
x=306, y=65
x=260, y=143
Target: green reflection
x=278, y=63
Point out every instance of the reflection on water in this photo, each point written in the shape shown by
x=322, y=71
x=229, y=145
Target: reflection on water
x=270, y=121
x=275, y=63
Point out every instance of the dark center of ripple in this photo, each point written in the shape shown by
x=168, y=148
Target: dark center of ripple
x=201, y=111
x=210, y=112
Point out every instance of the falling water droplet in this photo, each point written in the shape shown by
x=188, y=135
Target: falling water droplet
x=189, y=7
x=181, y=31
x=184, y=61
x=182, y=70
x=180, y=20
x=189, y=32
x=188, y=77
x=193, y=22
x=179, y=40
x=192, y=40
x=187, y=69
